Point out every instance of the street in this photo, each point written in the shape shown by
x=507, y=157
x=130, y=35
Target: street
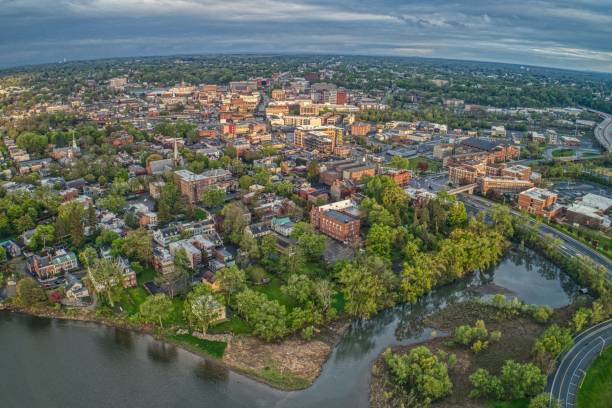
x=573, y=365
x=569, y=246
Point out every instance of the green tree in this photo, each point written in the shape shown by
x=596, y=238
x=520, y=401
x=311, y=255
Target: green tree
x=581, y=319
x=156, y=308
x=138, y=244
x=213, y=197
x=234, y=222
x=544, y=400
x=30, y=293
x=422, y=372
x=106, y=276
x=113, y=203
x=69, y=222
x=380, y=240
x=457, y=214
x=248, y=244
x=298, y=287
x=311, y=243
x=313, y=171
x=502, y=219
x=550, y=344
x=201, y=308
x=368, y=286
x=268, y=318
x=245, y=182
x=44, y=235
x=267, y=249
x=88, y=257
x=231, y=280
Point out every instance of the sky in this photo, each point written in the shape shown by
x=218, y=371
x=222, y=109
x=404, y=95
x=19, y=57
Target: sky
x=560, y=33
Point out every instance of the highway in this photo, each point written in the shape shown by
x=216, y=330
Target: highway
x=569, y=246
x=603, y=131
x=572, y=366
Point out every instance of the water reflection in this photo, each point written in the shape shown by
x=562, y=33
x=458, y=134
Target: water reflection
x=39, y=326
x=161, y=352
x=123, y=338
x=212, y=371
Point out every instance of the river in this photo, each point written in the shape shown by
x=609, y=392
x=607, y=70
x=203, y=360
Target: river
x=55, y=363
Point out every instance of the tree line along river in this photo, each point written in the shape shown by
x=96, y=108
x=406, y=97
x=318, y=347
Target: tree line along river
x=55, y=363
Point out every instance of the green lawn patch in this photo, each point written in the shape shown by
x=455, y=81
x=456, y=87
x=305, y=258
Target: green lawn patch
x=131, y=299
x=233, y=325
x=147, y=275
x=214, y=349
x=273, y=291
x=285, y=381
x=596, y=389
x=177, y=316
x=563, y=152
x=418, y=163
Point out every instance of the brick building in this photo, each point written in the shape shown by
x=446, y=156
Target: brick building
x=337, y=220
x=538, y=201
x=502, y=185
x=361, y=128
x=192, y=185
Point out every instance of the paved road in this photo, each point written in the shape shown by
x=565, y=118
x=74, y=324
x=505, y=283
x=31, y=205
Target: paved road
x=573, y=365
x=569, y=246
x=603, y=131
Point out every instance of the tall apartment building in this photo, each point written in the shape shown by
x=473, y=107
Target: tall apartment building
x=334, y=133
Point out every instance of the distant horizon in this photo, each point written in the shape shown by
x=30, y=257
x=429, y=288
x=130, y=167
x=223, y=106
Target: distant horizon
x=564, y=34
x=5, y=68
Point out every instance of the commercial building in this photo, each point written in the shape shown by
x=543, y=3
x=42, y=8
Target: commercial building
x=591, y=211
x=538, y=201
x=502, y=185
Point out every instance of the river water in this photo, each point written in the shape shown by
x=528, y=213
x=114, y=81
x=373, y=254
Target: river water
x=53, y=363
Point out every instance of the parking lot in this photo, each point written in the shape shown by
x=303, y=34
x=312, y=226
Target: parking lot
x=569, y=191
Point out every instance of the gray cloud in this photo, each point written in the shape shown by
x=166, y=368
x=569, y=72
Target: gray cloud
x=562, y=33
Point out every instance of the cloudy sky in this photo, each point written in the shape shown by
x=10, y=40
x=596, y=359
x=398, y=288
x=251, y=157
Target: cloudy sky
x=560, y=33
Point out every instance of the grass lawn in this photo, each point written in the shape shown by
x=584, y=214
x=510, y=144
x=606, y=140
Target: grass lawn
x=131, y=299
x=596, y=389
x=214, y=349
x=273, y=291
x=432, y=165
x=520, y=403
x=234, y=325
x=283, y=380
x=563, y=152
x=147, y=275
x=177, y=317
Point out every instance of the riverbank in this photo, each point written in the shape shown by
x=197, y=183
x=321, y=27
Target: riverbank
x=518, y=336
x=289, y=365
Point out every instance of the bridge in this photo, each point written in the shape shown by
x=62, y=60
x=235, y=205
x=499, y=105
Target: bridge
x=468, y=188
